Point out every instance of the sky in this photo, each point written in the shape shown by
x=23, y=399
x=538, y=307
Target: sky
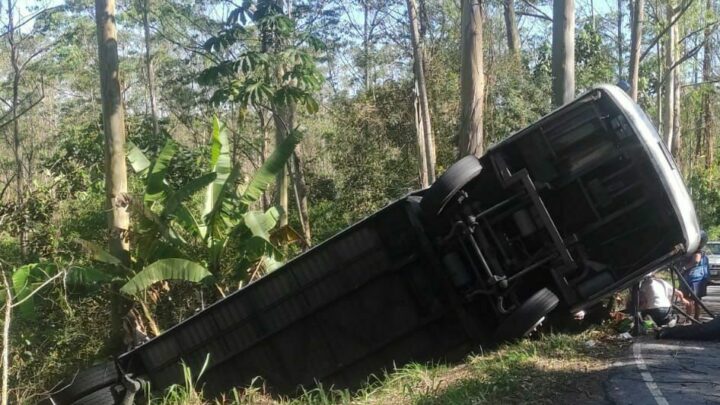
x=601, y=6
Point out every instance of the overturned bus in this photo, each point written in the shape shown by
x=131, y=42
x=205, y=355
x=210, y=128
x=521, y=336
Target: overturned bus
x=559, y=215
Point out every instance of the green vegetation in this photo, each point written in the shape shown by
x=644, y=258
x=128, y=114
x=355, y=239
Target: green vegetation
x=256, y=129
x=544, y=369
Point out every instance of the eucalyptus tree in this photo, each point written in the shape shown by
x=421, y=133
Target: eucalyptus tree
x=117, y=200
x=563, y=52
x=638, y=15
x=114, y=130
x=144, y=6
x=426, y=143
x=472, y=79
x=511, y=28
x=620, y=40
x=708, y=89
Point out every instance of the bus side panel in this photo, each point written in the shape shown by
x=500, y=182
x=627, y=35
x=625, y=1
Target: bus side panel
x=339, y=306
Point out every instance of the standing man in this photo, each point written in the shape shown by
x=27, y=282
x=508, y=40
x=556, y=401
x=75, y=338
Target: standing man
x=696, y=275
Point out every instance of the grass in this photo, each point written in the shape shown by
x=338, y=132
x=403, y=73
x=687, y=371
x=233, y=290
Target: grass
x=550, y=369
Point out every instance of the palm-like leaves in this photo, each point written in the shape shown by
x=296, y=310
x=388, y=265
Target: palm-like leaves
x=138, y=161
x=269, y=170
x=174, y=209
x=155, y=186
x=223, y=214
x=219, y=195
x=165, y=269
x=25, y=279
x=261, y=223
x=99, y=254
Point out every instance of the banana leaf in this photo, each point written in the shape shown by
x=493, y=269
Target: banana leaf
x=177, y=197
x=174, y=208
x=165, y=269
x=256, y=250
x=187, y=220
x=220, y=164
x=138, y=161
x=221, y=216
x=152, y=224
x=270, y=263
x=25, y=280
x=274, y=165
x=155, y=187
x=261, y=223
x=86, y=278
x=158, y=248
x=221, y=221
x=97, y=253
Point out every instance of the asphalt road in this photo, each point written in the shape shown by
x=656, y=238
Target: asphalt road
x=668, y=372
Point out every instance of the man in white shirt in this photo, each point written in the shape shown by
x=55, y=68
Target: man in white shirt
x=656, y=299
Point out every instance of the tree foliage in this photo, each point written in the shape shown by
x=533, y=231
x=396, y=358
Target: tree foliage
x=263, y=73
x=200, y=193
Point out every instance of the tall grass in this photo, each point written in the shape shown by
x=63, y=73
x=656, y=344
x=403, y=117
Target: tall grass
x=525, y=371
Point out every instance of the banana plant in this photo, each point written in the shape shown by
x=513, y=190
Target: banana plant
x=169, y=231
x=32, y=277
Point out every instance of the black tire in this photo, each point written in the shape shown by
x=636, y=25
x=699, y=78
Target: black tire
x=85, y=382
x=110, y=395
x=524, y=319
x=446, y=186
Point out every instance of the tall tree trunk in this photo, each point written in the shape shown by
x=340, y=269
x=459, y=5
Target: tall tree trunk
x=17, y=142
x=300, y=188
x=423, y=18
x=422, y=156
x=696, y=155
x=149, y=70
x=692, y=147
x=418, y=56
x=668, y=123
x=635, y=45
x=659, y=90
x=708, y=93
x=677, y=145
x=472, y=79
x=114, y=130
x=366, y=44
x=563, y=52
x=620, y=38
x=511, y=28
x=6, y=336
